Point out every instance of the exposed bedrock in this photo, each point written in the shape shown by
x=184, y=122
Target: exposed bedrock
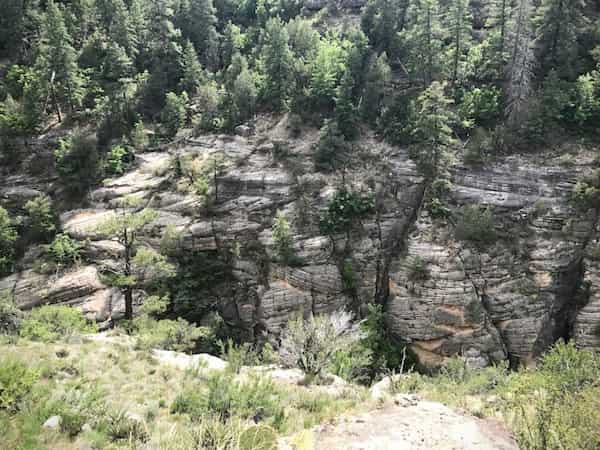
x=517, y=296
x=537, y=283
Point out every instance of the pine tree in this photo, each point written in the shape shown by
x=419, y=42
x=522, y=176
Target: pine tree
x=325, y=72
x=192, y=71
x=174, y=114
x=346, y=112
x=358, y=60
x=8, y=240
x=11, y=21
x=460, y=24
x=277, y=64
x=433, y=132
x=558, y=24
x=423, y=41
x=521, y=62
x=138, y=262
x=245, y=94
x=57, y=61
x=117, y=65
x=233, y=42
x=122, y=30
x=378, y=76
x=139, y=25
x=382, y=20
x=499, y=22
x=197, y=20
x=164, y=54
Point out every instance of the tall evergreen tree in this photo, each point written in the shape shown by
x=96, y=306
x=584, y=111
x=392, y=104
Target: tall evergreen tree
x=325, y=72
x=346, y=112
x=521, y=63
x=381, y=21
x=558, y=24
x=192, y=71
x=57, y=61
x=433, y=132
x=277, y=64
x=498, y=22
x=378, y=75
x=423, y=41
x=244, y=93
x=460, y=25
x=11, y=20
x=197, y=20
x=233, y=42
x=164, y=54
x=122, y=29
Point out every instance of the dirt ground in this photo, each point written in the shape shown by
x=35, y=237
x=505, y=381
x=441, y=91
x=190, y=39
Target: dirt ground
x=412, y=425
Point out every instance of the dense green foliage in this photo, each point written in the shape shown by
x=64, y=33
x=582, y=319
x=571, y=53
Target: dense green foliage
x=49, y=323
x=16, y=381
x=10, y=315
x=8, y=238
x=346, y=210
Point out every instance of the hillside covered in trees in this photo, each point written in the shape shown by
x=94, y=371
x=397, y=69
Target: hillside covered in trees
x=265, y=177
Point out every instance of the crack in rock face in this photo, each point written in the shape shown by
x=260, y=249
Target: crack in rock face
x=512, y=299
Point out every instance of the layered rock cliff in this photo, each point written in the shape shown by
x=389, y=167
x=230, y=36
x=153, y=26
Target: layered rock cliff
x=535, y=284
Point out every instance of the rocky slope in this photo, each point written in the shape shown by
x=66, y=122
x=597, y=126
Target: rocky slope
x=535, y=284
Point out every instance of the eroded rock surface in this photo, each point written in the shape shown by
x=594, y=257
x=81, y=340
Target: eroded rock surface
x=512, y=299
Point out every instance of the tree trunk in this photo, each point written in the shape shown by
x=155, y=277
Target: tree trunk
x=128, y=303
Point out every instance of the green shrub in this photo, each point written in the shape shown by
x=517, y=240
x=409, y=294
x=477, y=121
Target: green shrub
x=480, y=106
x=174, y=114
x=10, y=315
x=177, y=335
x=258, y=437
x=345, y=211
x=64, y=250
x=352, y=364
x=8, y=239
x=283, y=237
x=386, y=353
x=117, y=160
x=479, y=148
x=417, y=270
x=310, y=344
x=332, y=151
x=213, y=433
x=77, y=405
x=50, y=323
x=16, y=381
x=227, y=397
x=586, y=194
x=348, y=274
x=238, y=355
x=138, y=137
x=77, y=162
x=122, y=426
x=201, y=186
x=475, y=224
x=557, y=407
x=570, y=369
x=190, y=402
x=222, y=396
x=41, y=219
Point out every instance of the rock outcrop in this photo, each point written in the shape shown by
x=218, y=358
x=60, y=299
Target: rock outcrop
x=538, y=282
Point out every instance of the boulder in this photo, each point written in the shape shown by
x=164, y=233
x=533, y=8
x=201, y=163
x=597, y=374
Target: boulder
x=52, y=423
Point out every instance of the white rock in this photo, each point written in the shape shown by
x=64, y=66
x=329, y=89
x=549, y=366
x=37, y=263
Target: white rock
x=183, y=361
x=53, y=423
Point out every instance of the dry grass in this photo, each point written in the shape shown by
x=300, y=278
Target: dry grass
x=132, y=381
